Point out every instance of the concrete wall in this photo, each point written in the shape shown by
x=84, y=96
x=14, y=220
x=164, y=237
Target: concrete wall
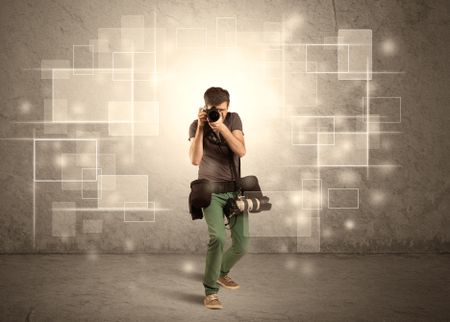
x=400, y=203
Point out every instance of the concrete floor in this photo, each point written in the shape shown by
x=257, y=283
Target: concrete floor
x=273, y=288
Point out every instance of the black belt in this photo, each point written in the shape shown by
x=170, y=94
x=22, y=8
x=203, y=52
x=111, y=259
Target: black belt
x=224, y=186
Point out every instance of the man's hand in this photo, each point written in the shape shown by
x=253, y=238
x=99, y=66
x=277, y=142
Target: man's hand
x=218, y=125
x=202, y=116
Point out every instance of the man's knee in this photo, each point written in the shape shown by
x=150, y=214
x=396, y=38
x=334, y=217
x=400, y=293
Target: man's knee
x=216, y=240
x=242, y=246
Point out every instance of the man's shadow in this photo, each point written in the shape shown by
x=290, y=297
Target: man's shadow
x=192, y=298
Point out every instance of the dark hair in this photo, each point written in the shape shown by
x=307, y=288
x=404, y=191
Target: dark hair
x=216, y=96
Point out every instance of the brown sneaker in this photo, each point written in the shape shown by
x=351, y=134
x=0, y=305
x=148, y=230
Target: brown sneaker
x=227, y=282
x=211, y=301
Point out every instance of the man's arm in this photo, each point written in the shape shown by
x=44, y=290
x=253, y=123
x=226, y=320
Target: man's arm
x=234, y=139
x=196, y=148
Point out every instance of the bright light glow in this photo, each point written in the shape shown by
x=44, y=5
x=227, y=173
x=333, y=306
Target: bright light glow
x=349, y=224
x=389, y=47
x=25, y=107
x=348, y=176
x=129, y=245
x=290, y=264
x=188, y=267
x=327, y=232
x=377, y=198
x=60, y=161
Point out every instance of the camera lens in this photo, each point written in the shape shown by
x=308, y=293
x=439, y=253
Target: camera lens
x=213, y=114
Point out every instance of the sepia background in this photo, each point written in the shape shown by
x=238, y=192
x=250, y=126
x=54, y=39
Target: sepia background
x=345, y=110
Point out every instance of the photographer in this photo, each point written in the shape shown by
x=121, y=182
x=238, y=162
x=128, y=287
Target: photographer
x=216, y=147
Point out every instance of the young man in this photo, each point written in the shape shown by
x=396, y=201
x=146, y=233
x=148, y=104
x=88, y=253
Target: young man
x=212, y=144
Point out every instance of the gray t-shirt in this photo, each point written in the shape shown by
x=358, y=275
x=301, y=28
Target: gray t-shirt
x=215, y=164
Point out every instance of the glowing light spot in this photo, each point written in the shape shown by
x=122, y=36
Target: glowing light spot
x=288, y=221
x=60, y=161
x=92, y=254
x=348, y=177
x=377, y=197
x=389, y=47
x=386, y=144
x=290, y=264
x=327, y=233
x=283, y=249
x=25, y=107
x=77, y=108
x=188, y=267
x=347, y=146
x=302, y=219
x=349, y=224
x=129, y=245
x=307, y=268
x=294, y=21
x=295, y=198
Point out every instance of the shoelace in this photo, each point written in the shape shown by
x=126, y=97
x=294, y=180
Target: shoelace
x=213, y=297
x=227, y=278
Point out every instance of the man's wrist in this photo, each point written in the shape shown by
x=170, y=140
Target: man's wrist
x=222, y=128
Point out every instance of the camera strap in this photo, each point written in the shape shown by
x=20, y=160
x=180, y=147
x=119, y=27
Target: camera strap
x=236, y=175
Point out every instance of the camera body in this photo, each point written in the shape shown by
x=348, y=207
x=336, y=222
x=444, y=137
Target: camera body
x=213, y=114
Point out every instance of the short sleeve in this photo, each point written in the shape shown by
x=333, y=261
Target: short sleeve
x=192, y=129
x=236, y=123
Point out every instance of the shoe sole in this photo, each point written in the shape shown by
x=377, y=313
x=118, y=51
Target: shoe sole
x=226, y=286
x=213, y=307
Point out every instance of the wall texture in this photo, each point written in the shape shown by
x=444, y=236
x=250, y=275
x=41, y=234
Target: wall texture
x=97, y=98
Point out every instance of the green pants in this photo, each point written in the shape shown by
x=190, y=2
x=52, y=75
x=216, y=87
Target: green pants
x=218, y=262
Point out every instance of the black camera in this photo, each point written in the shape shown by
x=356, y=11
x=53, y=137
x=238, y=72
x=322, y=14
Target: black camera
x=236, y=206
x=213, y=114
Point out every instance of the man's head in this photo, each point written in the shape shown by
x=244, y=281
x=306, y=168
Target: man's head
x=218, y=97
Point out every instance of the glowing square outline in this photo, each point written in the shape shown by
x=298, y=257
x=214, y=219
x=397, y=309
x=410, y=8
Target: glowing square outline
x=82, y=182
x=327, y=72
x=61, y=139
x=351, y=189
x=132, y=70
x=118, y=175
x=320, y=192
x=318, y=132
x=368, y=75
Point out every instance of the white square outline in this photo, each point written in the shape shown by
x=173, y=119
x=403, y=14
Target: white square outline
x=320, y=194
x=366, y=73
x=60, y=139
x=73, y=61
x=82, y=186
x=364, y=100
x=235, y=31
x=366, y=164
x=132, y=70
x=205, y=45
x=318, y=132
x=352, y=189
x=328, y=72
x=140, y=209
x=118, y=175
